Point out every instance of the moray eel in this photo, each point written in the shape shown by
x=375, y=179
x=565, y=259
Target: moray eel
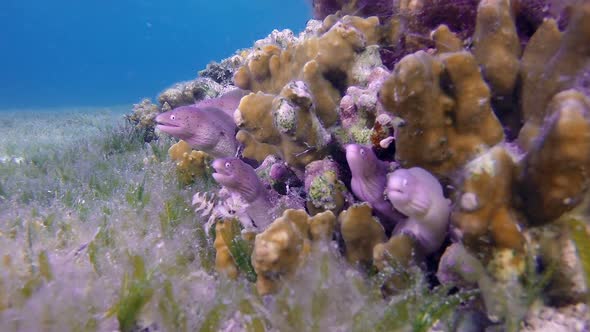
x=241, y=179
x=369, y=177
x=227, y=102
x=208, y=129
x=417, y=194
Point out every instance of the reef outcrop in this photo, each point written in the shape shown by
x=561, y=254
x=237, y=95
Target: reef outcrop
x=416, y=127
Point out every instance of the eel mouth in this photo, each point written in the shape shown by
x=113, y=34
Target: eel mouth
x=163, y=124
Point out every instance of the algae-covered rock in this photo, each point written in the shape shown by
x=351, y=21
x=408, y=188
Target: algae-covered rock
x=325, y=190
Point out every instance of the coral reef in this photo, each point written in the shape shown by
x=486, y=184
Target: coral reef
x=188, y=93
x=223, y=72
x=143, y=118
x=416, y=123
x=296, y=89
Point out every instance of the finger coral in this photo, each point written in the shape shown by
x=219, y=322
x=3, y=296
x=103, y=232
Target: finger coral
x=444, y=106
x=496, y=46
x=556, y=171
x=296, y=89
x=552, y=62
x=190, y=164
x=361, y=232
x=284, y=245
x=224, y=262
x=484, y=213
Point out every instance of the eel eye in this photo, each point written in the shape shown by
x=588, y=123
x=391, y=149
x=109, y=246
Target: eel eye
x=362, y=152
x=227, y=164
x=172, y=117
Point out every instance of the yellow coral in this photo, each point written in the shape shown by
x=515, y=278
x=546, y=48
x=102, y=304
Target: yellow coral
x=445, y=40
x=190, y=164
x=399, y=252
x=224, y=262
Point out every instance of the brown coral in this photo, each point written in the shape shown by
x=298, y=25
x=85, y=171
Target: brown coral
x=284, y=245
x=496, y=46
x=361, y=233
x=484, y=214
x=552, y=62
x=444, y=105
x=298, y=88
x=556, y=173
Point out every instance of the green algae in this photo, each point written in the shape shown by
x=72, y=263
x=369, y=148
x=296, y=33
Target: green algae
x=581, y=238
x=137, y=196
x=136, y=291
x=213, y=318
x=240, y=249
x=255, y=323
x=174, y=211
x=44, y=266
x=171, y=311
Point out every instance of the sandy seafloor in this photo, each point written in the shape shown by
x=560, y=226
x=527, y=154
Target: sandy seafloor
x=93, y=225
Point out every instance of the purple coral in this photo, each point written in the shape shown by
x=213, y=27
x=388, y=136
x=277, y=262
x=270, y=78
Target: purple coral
x=417, y=194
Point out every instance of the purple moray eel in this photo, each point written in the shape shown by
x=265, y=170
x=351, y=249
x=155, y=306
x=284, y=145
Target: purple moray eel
x=369, y=178
x=417, y=194
x=207, y=129
x=227, y=102
x=207, y=125
x=240, y=179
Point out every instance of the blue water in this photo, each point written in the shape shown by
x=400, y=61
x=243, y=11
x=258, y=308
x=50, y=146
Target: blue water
x=98, y=53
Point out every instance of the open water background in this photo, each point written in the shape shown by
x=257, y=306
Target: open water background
x=64, y=53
